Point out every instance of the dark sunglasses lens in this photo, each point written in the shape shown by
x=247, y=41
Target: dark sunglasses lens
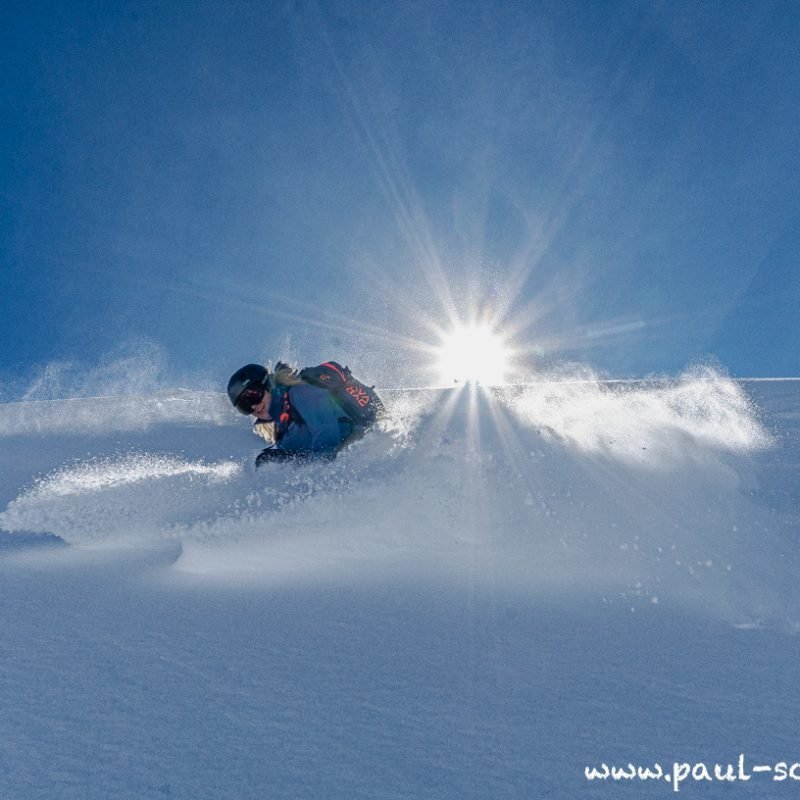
x=249, y=399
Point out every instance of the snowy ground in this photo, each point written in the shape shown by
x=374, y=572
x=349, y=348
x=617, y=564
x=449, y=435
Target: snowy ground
x=479, y=601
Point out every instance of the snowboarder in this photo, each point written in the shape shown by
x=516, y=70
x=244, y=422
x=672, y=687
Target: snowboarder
x=311, y=413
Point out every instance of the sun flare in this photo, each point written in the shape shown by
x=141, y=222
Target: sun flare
x=473, y=354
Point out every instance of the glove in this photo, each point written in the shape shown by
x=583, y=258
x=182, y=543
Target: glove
x=276, y=454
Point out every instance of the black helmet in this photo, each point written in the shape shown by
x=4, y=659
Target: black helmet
x=247, y=386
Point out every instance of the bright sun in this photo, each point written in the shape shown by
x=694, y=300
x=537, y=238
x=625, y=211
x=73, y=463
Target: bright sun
x=473, y=353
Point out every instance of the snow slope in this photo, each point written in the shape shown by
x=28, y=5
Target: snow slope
x=479, y=600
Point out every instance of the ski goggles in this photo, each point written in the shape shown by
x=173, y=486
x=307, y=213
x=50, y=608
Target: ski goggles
x=249, y=399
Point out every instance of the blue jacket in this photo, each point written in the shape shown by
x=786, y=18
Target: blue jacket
x=311, y=423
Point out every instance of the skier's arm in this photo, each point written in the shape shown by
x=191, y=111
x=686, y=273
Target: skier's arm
x=319, y=429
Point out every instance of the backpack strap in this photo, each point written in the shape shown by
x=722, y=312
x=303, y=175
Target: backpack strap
x=283, y=412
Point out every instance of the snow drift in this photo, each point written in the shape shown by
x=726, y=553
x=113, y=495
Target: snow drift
x=646, y=492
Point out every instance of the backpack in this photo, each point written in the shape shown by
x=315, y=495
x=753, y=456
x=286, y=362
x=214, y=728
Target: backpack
x=359, y=401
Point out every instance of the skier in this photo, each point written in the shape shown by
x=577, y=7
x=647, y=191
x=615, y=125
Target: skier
x=311, y=413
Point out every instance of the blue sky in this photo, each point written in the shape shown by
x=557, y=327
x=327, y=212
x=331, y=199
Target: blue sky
x=611, y=182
